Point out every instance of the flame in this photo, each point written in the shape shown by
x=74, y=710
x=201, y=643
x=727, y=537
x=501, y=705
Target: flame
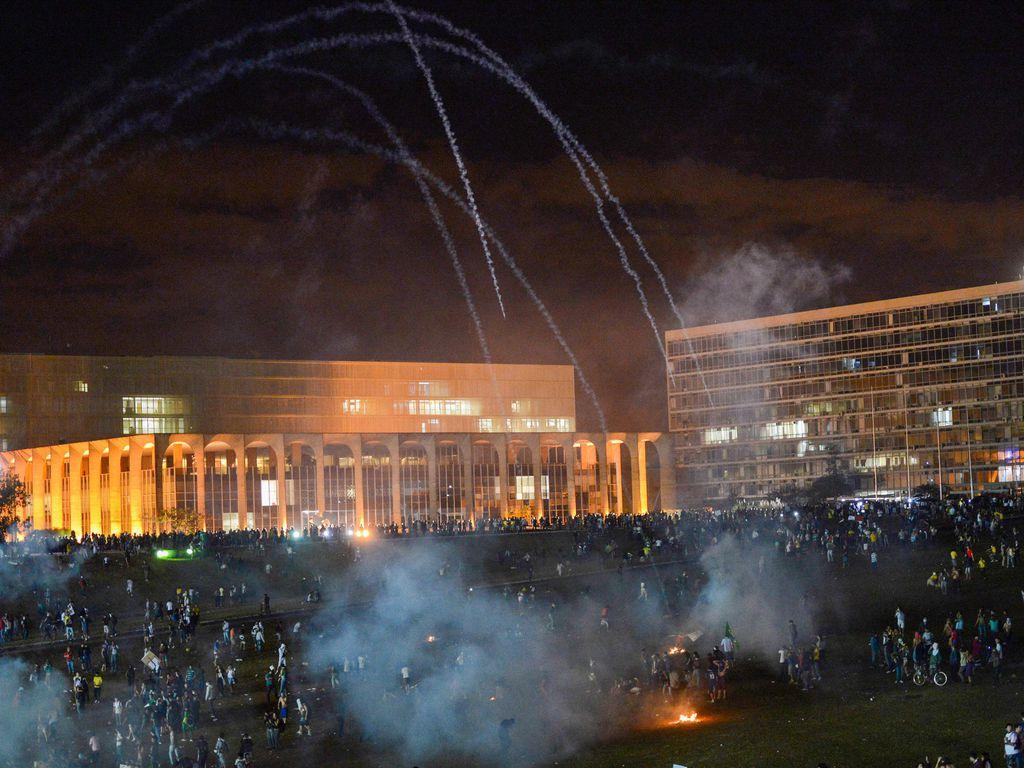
x=690, y=718
x=675, y=650
x=431, y=638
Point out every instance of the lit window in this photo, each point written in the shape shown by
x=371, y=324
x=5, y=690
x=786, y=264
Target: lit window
x=485, y=425
x=81, y=386
x=351, y=406
x=268, y=493
x=154, y=414
x=782, y=430
x=515, y=406
x=718, y=435
x=942, y=417
x=524, y=487
x=3, y=403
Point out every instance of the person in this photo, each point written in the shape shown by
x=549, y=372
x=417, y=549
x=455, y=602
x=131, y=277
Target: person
x=97, y=686
x=220, y=750
x=505, y=735
x=303, y=711
x=271, y=724
x=1011, y=746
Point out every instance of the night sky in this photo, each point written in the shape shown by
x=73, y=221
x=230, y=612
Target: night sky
x=876, y=148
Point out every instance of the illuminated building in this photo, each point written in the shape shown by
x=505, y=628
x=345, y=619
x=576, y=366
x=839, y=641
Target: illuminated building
x=48, y=399
x=897, y=393
x=285, y=444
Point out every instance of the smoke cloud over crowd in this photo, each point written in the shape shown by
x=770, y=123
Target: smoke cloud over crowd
x=476, y=659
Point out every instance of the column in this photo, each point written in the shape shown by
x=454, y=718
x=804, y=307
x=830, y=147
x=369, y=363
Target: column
x=601, y=452
x=394, y=448
x=355, y=445
x=538, y=469
x=117, y=446
x=133, y=520
x=95, y=502
x=283, y=523
x=570, y=471
x=641, y=463
x=237, y=443
x=321, y=494
x=40, y=519
x=500, y=443
x=199, y=457
x=56, y=486
x=430, y=446
x=615, y=454
x=75, y=489
x=466, y=452
x=160, y=444
x=634, y=472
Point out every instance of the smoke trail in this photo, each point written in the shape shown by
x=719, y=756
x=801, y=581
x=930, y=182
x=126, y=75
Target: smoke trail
x=407, y=37
x=453, y=143
x=100, y=84
x=431, y=204
x=311, y=135
x=323, y=44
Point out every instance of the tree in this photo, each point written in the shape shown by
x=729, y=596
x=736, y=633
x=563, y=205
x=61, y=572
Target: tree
x=13, y=498
x=178, y=520
x=834, y=483
x=929, y=491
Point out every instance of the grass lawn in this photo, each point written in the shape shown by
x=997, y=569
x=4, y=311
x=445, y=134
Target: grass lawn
x=856, y=717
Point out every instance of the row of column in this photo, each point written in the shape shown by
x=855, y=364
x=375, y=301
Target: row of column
x=107, y=513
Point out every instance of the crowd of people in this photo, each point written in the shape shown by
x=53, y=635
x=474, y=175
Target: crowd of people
x=165, y=685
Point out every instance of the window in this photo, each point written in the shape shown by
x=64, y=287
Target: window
x=81, y=386
x=782, y=430
x=718, y=435
x=351, y=406
x=268, y=493
x=3, y=404
x=942, y=417
x=154, y=414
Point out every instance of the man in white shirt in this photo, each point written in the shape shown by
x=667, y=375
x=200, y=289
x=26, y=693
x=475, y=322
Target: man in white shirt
x=1011, y=745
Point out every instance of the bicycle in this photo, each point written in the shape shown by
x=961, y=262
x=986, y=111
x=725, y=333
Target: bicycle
x=922, y=676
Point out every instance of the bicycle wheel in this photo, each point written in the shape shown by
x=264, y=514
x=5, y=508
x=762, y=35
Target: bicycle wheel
x=941, y=678
x=920, y=678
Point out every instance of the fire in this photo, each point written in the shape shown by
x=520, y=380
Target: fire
x=690, y=718
x=675, y=650
x=431, y=638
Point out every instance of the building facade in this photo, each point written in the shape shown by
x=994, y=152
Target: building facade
x=52, y=399
x=894, y=394
x=290, y=480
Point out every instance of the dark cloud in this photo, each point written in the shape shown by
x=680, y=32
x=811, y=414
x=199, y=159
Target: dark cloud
x=882, y=139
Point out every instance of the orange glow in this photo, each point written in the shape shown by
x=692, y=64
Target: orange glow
x=687, y=719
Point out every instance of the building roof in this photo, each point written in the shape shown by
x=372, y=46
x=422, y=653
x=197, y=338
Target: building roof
x=847, y=310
